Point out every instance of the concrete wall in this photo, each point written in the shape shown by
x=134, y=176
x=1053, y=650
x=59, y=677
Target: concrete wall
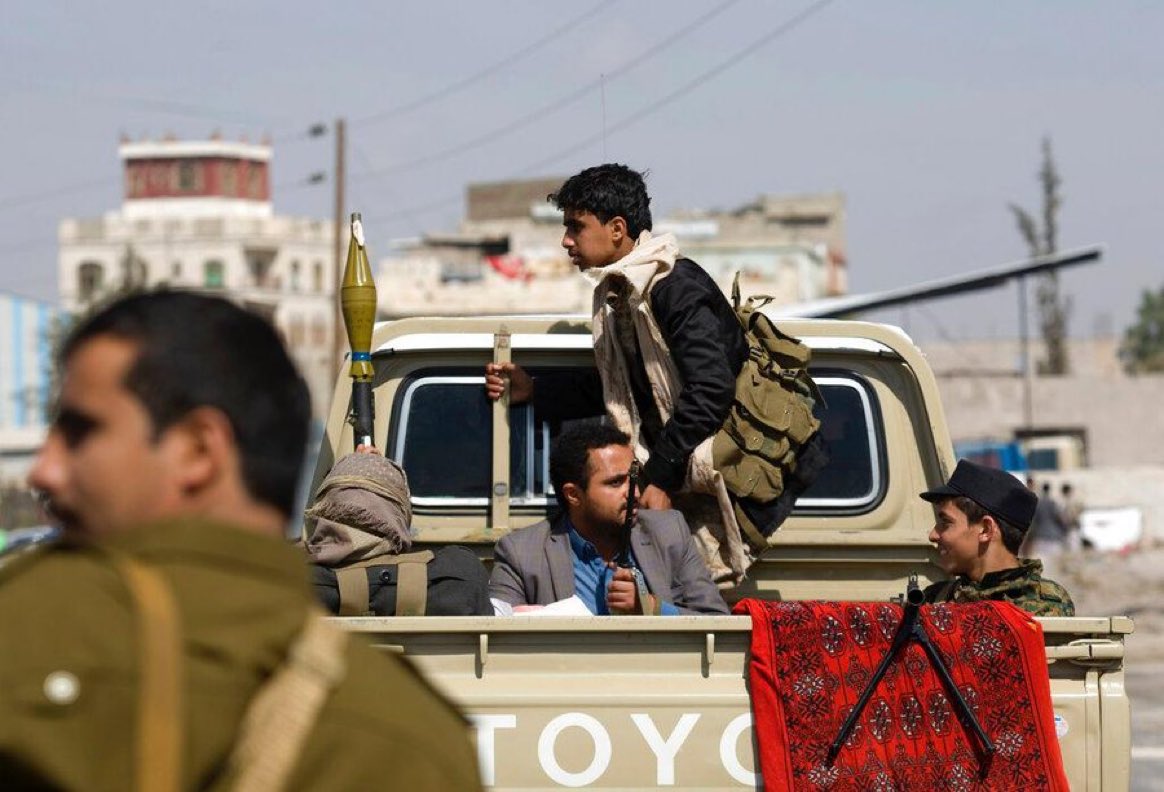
x=983, y=393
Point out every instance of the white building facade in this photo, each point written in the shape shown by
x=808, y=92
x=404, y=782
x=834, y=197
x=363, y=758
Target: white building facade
x=506, y=256
x=197, y=215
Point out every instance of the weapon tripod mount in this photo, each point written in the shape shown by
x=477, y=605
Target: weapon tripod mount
x=911, y=629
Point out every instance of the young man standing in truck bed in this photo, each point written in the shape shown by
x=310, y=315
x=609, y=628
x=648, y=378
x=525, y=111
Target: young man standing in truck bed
x=981, y=516
x=668, y=348
x=656, y=315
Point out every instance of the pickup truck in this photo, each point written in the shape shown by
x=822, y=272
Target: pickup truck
x=634, y=703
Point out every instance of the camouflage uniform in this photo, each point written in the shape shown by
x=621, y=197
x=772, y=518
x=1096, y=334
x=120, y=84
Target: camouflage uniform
x=1023, y=586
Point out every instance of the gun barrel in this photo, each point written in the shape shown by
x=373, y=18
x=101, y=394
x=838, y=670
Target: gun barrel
x=628, y=520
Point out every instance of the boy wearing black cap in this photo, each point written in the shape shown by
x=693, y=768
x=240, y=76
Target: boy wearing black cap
x=980, y=518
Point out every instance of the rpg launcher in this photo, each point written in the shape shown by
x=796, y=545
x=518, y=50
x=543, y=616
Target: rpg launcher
x=358, y=302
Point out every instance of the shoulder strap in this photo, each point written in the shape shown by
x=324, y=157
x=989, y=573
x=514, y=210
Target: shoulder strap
x=354, y=597
x=411, y=586
x=284, y=710
x=161, y=716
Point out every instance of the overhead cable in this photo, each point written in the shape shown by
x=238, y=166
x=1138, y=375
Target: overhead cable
x=465, y=82
x=554, y=106
x=683, y=90
x=781, y=30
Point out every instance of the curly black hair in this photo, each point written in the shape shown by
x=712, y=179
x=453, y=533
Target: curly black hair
x=570, y=454
x=608, y=191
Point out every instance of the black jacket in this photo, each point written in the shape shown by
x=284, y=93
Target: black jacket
x=709, y=349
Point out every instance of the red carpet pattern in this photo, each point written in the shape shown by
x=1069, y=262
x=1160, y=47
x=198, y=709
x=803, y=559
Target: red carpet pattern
x=811, y=660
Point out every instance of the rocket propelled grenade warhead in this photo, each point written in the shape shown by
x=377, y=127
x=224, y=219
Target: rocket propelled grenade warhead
x=358, y=302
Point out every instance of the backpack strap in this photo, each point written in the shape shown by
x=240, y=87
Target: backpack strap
x=282, y=713
x=161, y=716
x=354, y=597
x=411, y=584
x=412, y=587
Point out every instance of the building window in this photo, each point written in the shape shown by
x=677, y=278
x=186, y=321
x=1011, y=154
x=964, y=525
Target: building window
x=135, y=177
x=187, y=177
x=213, y=276
x=229, y=179
x=317, y=277
x=295, y=275
x=176, y=270
x=134, y=270
x=254, y=181
x=90, y=280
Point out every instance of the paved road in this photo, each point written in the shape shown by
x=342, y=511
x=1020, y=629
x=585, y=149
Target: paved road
x=1146, y=689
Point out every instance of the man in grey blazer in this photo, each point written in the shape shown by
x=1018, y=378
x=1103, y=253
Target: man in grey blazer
x=576, y=553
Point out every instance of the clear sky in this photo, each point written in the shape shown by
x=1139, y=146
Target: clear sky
x=928, y=116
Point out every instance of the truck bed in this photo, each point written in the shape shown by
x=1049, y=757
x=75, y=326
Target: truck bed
x=604, y=703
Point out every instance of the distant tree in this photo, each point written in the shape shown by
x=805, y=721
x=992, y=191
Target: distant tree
x=1054, y=308
x=1142, y=350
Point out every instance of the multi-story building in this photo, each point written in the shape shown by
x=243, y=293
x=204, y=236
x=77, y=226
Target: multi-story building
x=506, y=257
x=198, y=215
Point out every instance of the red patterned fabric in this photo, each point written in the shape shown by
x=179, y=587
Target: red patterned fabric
x=811, y=660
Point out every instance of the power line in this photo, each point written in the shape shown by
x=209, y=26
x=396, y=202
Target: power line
x=552, y=107
x=68, y=189
x=783, y=29
x=476, y=77
x=150, y=104
x=27, y=244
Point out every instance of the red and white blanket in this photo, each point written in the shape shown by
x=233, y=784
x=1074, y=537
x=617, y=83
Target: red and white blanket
x=810, y=661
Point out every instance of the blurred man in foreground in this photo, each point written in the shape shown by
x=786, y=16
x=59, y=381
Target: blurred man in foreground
x=980, y=518
x=169, y=641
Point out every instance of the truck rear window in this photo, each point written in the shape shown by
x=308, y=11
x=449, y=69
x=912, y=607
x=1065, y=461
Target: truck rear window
x=444, y=431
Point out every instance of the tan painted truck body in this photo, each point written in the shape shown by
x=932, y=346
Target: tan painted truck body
x=638, y=703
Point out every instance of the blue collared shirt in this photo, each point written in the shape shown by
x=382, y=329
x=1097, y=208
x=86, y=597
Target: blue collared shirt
x=592, y=575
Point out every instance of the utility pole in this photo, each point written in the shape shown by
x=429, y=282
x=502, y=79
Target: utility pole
x=338, y=263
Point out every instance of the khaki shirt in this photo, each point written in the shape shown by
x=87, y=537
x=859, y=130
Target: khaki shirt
x=1023, y=586
x=68, y=671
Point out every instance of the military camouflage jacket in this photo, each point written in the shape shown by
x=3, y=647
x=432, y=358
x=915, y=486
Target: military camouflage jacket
x=1023, y=586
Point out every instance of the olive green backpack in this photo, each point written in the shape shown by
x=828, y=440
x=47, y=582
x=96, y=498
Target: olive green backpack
x=771, y=418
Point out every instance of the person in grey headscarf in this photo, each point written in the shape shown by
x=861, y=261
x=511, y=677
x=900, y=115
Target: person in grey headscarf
x=360, y=542
x=362, y=510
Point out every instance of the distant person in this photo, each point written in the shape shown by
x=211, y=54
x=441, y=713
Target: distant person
x=1072, y=510
x=576, y=553
x=170, y=640
x=668, y=350
x=980, y=518
x=1048, y=535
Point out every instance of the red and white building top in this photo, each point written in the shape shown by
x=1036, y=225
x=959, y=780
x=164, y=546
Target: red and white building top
x=192, y=178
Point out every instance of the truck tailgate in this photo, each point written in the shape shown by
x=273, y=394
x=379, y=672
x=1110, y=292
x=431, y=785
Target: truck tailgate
x=633, y=703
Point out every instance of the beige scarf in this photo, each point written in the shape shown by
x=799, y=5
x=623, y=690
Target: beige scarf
x=621, y=308
x=362, y=510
